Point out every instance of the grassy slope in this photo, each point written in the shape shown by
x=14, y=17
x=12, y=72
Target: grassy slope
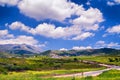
x=40, y=66
x=102, y=59
x=64, y=69
x=108, y=75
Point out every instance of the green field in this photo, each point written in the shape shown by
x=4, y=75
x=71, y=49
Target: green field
x=31, y=75
x=50, y=66
x=43, y=68
x=102, y=59
x=108, y=75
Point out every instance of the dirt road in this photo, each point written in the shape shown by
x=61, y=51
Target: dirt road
x=91, y=73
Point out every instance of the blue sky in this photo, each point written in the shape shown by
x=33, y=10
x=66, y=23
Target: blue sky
x=61, y=24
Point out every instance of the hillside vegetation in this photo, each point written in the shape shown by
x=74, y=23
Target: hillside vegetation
x=44, y=64
x=86, y=52
x=115, y=60
x=108, y=75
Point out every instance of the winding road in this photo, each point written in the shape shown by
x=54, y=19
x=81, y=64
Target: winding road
x=91, y=73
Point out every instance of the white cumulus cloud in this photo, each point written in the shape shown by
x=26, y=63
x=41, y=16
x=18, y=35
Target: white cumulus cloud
x=83, y=36
x=20, y=40
x=102, y=44
x=5, y=34
x=114, y=29
x=63, y=49
x=88, y=19
x=19, y=26
x=59, y=10
x=7, y=38
x=50, y=30
x=81, y=47
x=117, y=1
x=9, y=2
x=44, y=9
x=110, y=3
x=114, y=2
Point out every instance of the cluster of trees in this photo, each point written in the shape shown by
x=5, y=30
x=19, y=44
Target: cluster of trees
x=116, y=59
x=40, y=63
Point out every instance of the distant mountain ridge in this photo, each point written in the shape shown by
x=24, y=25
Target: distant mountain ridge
x=102, y=51
x=23, y=49
x=19, y=49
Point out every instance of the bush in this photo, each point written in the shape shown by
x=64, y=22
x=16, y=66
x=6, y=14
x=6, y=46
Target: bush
x=3, y=70
x=111, y=60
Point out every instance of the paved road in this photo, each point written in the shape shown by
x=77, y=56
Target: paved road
x=91, y=73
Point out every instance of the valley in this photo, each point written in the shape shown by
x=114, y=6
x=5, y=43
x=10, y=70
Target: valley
x=56, y=64
x=59, y=39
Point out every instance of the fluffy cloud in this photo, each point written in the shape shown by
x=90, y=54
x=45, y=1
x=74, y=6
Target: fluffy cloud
x=112, y=44
x=44, y=29
x=87, y=20
x=114, y=29
x=55, y=9
x=102, y=44
x=117, y=1
x=19, y=26
x=110, y=3
x=114, y=2
x=9, y=2
x=50, y=30
x=5, y=34
x=81, y=47
x=59, y=10
x=83, y=36
x=88, y=3
x=44, y=9
x=6, y=38
x=20, y=40
x=63, y=49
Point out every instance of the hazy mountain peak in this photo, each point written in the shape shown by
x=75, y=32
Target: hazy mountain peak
x=19, y=48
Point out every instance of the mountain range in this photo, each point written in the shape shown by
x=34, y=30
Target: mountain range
x=88, y=52
x=23, y=49
x=19, y=49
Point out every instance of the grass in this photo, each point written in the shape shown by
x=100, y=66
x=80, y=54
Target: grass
x=30, y=75
x=41, y=68
x=108, y=75
x=35, y=68
x=42, y=63
x=101, y=59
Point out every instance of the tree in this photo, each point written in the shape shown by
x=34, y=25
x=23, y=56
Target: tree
x=116, y=59
x=111, y=60
x=76, y=60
